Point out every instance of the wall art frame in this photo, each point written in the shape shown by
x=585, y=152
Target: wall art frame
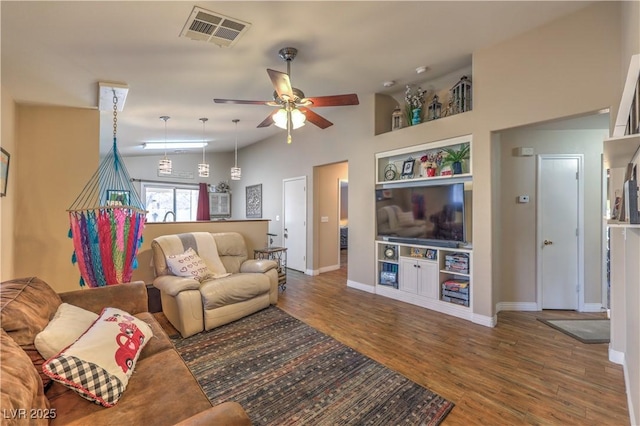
x=5, y=158
x=254, y=201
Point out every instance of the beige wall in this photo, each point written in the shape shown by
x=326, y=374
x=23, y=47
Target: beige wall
x=253, y=231
x=7, y=204
x=58, y=154
x=326, y=239
x=517, y=266
x=566, y=68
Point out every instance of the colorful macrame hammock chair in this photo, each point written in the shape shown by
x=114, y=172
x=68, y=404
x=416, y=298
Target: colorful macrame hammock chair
x=107, y=220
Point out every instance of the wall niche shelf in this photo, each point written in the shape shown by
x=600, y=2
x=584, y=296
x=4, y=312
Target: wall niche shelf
x=418, y=272
x=390, y=165
x=442, y=86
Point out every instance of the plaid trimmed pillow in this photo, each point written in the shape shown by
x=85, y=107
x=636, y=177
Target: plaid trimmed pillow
x=98, y=365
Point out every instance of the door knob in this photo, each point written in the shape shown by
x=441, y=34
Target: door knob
x=547, y=242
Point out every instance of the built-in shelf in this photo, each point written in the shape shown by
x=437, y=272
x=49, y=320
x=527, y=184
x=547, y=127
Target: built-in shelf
x=620, y=151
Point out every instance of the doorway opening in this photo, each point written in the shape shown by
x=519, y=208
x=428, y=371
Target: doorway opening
x=330, y=217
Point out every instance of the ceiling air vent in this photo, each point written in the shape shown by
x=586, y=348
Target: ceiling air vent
x=212, y=27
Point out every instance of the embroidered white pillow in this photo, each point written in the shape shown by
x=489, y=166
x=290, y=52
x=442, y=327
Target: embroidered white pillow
x=67, y=325
x=99, y=364
x=188, y=264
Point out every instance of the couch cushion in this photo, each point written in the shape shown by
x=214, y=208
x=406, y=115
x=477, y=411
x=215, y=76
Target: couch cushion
x=65, y=327
x=233, y=289
x=26, y=307
x=98, y=365
x=232, y=250
x=20, y=385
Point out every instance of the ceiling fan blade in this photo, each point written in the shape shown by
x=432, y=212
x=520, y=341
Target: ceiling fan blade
x=316, y=119
x=282, y=84
x=335, y=100
x=237, y=101
x=268, y=121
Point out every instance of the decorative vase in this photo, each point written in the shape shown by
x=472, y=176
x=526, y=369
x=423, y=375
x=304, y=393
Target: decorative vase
x=456, y=168
x=431, y=171
x=415, y=118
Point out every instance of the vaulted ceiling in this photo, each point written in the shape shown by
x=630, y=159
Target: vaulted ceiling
x=55, y=53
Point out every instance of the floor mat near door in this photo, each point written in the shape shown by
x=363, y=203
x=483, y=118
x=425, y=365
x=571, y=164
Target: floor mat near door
x=584, y=330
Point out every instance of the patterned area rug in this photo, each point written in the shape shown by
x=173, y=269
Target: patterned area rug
x=284, y=372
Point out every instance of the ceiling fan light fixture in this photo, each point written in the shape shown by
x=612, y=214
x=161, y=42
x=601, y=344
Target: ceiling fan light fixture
x=297, y=118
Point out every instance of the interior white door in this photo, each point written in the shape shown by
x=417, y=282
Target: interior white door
x=558, y=234
x=294, y=231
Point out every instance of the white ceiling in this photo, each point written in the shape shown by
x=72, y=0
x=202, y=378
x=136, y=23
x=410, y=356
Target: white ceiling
x=55, y=53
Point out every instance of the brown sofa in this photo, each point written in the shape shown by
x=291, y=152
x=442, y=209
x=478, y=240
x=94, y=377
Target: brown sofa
x=161, y=391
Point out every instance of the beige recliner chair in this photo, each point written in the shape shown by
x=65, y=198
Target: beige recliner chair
x=244, y=286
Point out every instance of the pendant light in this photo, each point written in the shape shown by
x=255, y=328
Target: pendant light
x=236, y=172
x=164, y=165
x=203, y=168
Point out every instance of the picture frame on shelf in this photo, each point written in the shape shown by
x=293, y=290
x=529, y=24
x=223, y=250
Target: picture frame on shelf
x=431, y=254
x=407, y=168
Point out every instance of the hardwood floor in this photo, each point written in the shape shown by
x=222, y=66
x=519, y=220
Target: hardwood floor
x=520, y=372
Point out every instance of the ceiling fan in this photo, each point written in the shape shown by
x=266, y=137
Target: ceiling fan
x=293, y=106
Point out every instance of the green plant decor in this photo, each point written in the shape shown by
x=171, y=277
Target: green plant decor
x=456, y=155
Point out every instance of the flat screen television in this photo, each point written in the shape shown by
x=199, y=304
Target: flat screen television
x=428, y=214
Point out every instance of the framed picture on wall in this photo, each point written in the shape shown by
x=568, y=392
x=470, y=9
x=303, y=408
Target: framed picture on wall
x=4, y=171
x=254, y=201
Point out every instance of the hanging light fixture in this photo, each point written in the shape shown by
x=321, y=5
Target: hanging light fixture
x=236, y=172
x=203, y=168
x=164, y=165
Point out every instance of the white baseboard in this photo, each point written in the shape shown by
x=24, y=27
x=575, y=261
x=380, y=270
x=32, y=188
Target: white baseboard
x=360, y=286
x=516, y=306
x=329, y=268
x=485, y=320
x=616, y=357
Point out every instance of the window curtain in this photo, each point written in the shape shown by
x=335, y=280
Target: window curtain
x=203, y=202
